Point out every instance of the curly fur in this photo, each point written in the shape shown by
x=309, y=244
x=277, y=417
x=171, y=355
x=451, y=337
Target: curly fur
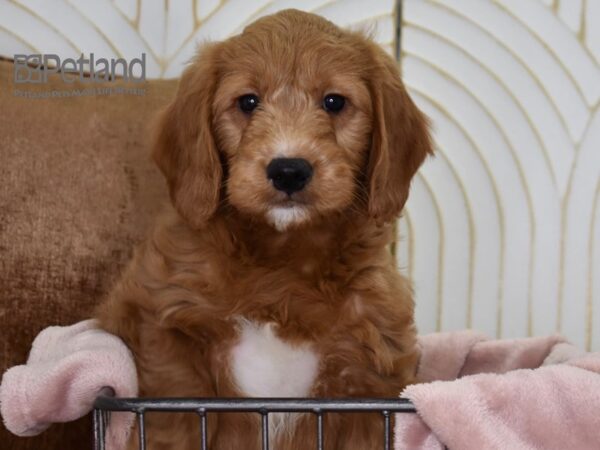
x=315, y=267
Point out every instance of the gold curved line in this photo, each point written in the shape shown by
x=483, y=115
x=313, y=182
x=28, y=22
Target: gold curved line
x=137, y=31
x=583, y=24
x=211, y=13
x=557, y=15
x=138, y=6
x=510, y=93
x=21, y=39
x=472, y=235
x=472, y=230
x=563, y=232
x=590, y=301
x=165, y=60
x=520, y=170
x=495, y=190
x=95, y=27
x=584, y=40
x=438, y=213
x=532, y=265
x=132, y=22
x=515, y=55
x=199, y=23
x=32, y=13
x=550, y=50
x=563, y=229
x=195, y=13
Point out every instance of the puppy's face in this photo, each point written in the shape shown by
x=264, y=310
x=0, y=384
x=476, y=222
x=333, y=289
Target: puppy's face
x=290, y=122
x=293, y=120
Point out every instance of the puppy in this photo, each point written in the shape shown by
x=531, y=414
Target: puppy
x=288, y=152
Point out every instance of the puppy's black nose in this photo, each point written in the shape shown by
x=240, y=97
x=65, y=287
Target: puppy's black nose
x=289, y=174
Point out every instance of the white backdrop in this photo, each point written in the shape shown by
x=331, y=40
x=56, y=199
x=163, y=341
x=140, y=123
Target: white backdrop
x=502, y=230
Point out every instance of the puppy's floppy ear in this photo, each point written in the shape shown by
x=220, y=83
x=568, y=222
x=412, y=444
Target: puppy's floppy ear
x=399, y=144
x=184, y=147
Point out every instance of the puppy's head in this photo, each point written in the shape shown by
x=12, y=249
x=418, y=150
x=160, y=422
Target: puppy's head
x=289, y=122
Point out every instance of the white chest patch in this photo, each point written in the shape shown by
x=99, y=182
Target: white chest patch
x=263, y=365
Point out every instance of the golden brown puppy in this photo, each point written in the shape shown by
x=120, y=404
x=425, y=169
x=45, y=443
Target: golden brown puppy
x=288, y=152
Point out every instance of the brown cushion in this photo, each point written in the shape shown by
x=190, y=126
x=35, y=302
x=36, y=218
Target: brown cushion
x=78, y=190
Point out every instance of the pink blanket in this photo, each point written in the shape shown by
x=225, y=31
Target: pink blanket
x=476, y=393
x=67, y=368
x=537, y=393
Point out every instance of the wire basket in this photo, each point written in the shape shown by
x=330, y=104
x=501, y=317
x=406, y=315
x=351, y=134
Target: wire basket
x=202, y=407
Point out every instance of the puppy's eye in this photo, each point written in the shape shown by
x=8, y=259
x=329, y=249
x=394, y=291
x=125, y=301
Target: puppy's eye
x=248, y=103
x=334, y=103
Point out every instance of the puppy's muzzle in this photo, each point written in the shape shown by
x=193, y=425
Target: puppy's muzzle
x=289, y=174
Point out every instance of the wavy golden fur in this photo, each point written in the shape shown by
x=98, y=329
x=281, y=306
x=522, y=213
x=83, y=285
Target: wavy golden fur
x=323, y=277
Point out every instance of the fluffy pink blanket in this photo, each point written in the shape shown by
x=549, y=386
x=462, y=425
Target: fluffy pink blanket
x=475, y=393
x=67, y=368
x=537, y=393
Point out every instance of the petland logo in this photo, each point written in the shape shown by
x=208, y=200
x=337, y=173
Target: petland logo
x=35, y=69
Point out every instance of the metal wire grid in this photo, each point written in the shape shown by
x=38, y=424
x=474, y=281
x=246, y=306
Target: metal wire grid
x=203, y=406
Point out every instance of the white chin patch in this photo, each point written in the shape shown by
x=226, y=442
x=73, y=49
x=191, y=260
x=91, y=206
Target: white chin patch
x=281, y=217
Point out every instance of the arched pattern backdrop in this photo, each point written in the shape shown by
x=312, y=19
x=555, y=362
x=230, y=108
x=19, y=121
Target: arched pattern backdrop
x=167, y=31
x=502, y=229
x=512, y=88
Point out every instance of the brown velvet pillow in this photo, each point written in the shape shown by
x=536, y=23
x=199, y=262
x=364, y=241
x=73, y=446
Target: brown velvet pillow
x=78, y=190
